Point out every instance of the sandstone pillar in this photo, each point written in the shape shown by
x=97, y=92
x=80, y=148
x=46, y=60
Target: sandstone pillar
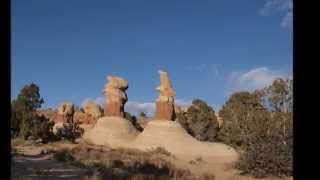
x=165, y=101
x=116, y=97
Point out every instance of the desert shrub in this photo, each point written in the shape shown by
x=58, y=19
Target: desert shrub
x=124, y=163
x=63, y=156
x=260, y=124
x=267, y=157
x=199, y=121
x=70, y=131
x=41, y=128
x=133, y=121
x=143, y=115
x=243, y=116
x=161, y=150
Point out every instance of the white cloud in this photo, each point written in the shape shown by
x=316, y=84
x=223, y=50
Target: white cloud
x=135, y=107
x=183, y=103
x=253, y=79
x=279, y=6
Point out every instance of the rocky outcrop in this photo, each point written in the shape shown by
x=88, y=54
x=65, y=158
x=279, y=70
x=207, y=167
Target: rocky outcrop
x=93, y=109
x=65, y=113
x=165, y=102
x=177, y=109
x=115, y=92
x=219, y=119
x=83, y=118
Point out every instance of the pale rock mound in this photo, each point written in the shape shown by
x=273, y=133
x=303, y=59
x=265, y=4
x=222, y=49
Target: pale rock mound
x=93, y=109
x=171, y=136
x=111, y=131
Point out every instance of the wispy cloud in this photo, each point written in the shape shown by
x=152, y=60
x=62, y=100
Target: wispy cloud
x=183, y=103
x=136, y=107
x=253, y=79
x=284, y=6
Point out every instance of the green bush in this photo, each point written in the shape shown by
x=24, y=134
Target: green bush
x=41, y=128
x=69, y=131
x=23, y=111
x=260, y=124
x=243, y=118
x=267, y=157
x=199, y=121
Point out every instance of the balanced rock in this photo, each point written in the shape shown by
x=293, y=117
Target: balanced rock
x=165, y=102
x=115, y=92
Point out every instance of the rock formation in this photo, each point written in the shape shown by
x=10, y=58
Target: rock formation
x=177, y=109
x=93, y=109
x=64, y=116
x=220, y=120
x=66, y=111
x=83, y=118
x=116, y=96
x=165, y=101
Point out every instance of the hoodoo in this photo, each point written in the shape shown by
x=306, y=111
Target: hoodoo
x=115, y=92
x=165, y=101
x=113, y=129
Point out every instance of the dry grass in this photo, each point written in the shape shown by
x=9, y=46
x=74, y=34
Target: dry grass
x=17, y=142
x=126, y=164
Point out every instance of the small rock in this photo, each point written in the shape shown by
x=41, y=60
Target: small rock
x=39, y=141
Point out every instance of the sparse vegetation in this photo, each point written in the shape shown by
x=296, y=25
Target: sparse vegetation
x=133, y=121
x=143, y=115
x=125, y=163
x=199, y=121
x=25, y=122
x=70, y=131
x=260, y=124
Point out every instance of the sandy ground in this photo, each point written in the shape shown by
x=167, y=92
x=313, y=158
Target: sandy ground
x=213, y=158
x=31, y=164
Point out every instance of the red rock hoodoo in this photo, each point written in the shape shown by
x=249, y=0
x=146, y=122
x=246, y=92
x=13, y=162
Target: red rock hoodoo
x=165, y=101
x=115, y=91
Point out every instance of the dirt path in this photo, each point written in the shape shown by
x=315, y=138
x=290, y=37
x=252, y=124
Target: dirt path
x=43, y=167
x=29, y=163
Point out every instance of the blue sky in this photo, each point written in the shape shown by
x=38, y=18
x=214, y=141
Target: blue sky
x=209, y=48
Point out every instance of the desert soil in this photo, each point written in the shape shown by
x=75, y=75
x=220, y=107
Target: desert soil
x=29, y=163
